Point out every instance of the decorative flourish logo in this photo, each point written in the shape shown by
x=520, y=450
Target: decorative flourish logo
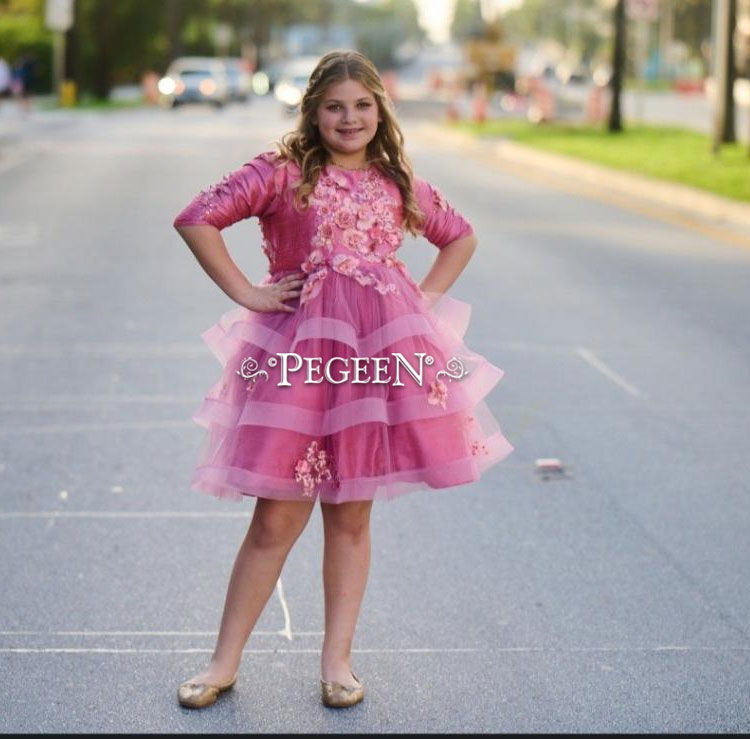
x=249, y=371
x=455, y=370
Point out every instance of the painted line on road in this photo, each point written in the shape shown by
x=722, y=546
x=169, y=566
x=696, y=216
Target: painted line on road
x=147, y=633
x=287, y=630
x=588, y=356
x=124, y=514
x=107, y=348
x=72, y=428
x=199, y=650
x=52, y=401
x=397, y=650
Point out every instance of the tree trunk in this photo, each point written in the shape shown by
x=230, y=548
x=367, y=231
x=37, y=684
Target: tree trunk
x=174, y=12
x=103, y=21
x=728, y=134
x=618, y=67
x=724, y=73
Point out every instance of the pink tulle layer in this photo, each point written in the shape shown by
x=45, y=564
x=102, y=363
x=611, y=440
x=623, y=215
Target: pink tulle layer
x=367, y=439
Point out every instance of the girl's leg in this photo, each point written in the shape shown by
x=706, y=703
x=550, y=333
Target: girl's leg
x=273, y=530
x=346, y=563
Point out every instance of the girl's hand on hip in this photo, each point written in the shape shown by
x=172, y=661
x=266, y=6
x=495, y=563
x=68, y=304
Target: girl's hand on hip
x=270, y=297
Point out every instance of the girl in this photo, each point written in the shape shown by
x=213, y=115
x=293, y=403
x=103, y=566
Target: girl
x=344, y=380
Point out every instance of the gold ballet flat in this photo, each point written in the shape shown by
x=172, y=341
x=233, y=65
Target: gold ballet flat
x=199, y=695
x=336, y=695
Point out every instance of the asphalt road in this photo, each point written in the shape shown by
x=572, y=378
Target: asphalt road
x=611, y=599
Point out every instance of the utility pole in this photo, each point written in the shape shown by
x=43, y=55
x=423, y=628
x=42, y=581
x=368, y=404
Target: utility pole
x=726, y=18
x=58, y=17
x=618, y=67
x=666, y=34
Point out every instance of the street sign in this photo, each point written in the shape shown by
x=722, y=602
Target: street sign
x=642, y=10
x=58, y=15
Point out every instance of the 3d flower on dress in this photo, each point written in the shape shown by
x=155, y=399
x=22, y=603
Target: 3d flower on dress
x=363, y=222
x=312, y=285
x=438, y=393
x=267, y=242
x=478, y=448
x=314, y=259
x=208, y=196
x=344, y=218
x=356, y=240
x=439, y=199
x=345, y=264
x=312, y=469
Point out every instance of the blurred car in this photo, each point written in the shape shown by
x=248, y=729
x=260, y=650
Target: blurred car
x=240, y=78
x=292, y=82
x=195, y=79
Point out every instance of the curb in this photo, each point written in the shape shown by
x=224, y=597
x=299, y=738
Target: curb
x=688, y=201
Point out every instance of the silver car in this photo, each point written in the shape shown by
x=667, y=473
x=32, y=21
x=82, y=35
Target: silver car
x=239, y=77
x=195, y=79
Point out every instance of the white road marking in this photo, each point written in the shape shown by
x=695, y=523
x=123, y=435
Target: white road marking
x=589, y=356
x=397, y=650
x=52, y=401
x=19, y=234
x=133, y=349
x=128, y=633
x=124, y=514
x=287, y=630
x=200, y=650
x=68, y=428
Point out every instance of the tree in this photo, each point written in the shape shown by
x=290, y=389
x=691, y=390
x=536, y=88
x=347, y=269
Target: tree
x=618, y=67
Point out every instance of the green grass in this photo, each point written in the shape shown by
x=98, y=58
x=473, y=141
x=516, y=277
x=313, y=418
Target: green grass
x=665, y=153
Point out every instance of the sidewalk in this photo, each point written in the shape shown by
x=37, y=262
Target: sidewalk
x=693, y=208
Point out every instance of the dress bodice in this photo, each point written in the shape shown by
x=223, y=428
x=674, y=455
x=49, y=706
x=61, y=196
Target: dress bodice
x=352, y=225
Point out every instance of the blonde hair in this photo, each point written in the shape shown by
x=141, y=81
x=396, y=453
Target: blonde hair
x=304, y=145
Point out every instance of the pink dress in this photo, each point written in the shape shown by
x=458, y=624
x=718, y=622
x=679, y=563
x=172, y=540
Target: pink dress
x=367, y=390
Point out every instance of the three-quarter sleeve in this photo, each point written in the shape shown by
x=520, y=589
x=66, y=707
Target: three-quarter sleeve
x=248, y=191
x=442, y=223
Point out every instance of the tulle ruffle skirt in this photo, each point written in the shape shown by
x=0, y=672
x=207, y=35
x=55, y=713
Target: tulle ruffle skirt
x=334, y=439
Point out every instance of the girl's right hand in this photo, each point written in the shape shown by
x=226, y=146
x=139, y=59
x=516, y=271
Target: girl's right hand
x=271, y=296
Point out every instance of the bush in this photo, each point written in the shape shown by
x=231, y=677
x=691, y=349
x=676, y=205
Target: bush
x=26, y=34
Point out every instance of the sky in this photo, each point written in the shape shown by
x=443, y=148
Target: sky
x=435, y=16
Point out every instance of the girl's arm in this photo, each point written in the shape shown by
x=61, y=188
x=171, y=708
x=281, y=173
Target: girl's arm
x=449, y=264
x=208, y=247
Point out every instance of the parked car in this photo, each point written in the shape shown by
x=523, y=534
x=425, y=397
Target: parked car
x=292, y=82
x=195, y=80
x=240, y=78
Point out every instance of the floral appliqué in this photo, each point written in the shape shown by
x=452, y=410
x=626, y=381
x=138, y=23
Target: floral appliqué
x=478, y=448
x=362, y=222
x=439, y=198
x=208, y=196
x=312, y=469
x=438, y=393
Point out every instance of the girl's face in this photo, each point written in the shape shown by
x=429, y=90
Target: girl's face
x=347, y=118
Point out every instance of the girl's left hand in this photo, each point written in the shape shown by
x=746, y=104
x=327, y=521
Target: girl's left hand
x=270, y=297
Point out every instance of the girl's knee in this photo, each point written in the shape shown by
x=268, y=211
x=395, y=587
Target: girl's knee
x=277, y=523
x=347, y=519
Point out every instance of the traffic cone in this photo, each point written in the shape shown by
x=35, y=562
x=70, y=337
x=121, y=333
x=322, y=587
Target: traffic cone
x=479, y=104
x=594, y=106
x=546, y=103
x=389, y=83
